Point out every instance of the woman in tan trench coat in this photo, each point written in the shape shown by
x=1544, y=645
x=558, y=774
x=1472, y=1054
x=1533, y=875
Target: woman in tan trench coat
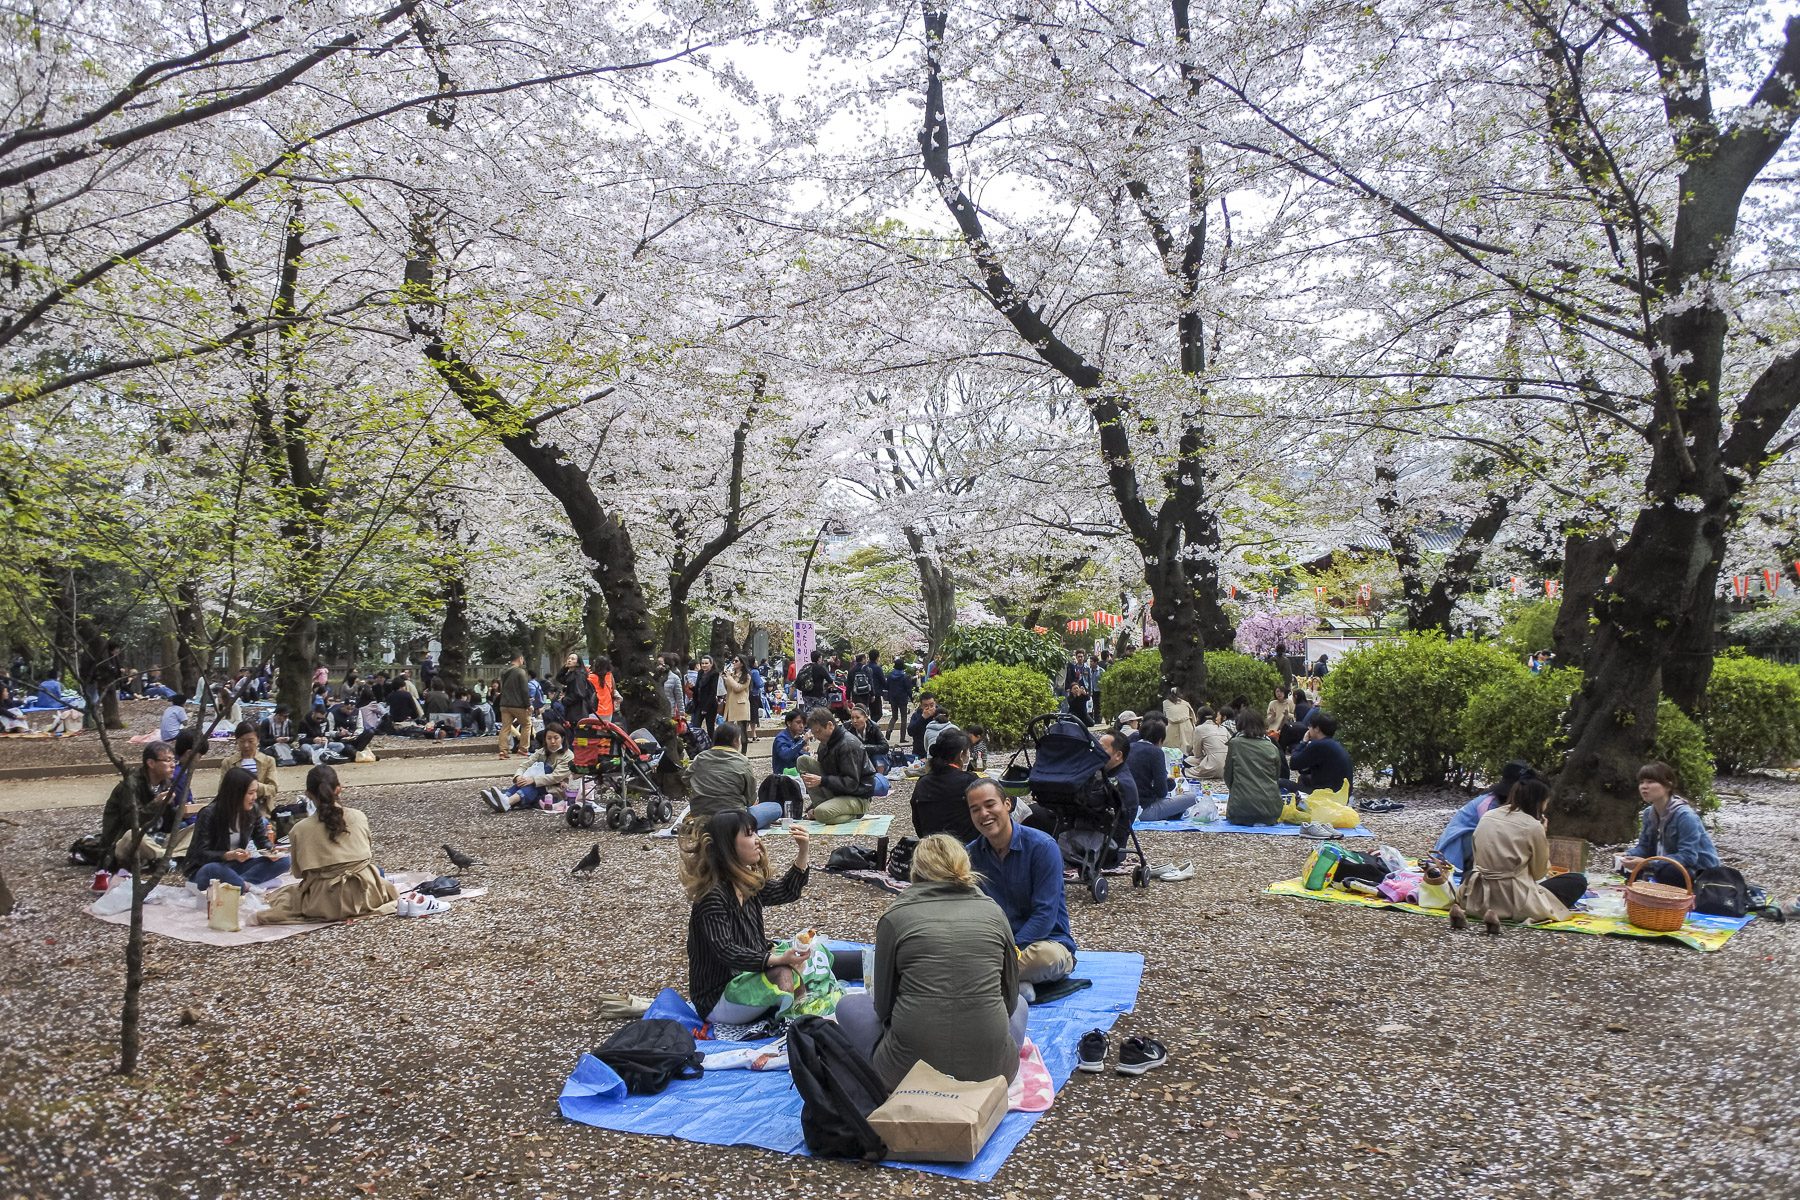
x=334, y=859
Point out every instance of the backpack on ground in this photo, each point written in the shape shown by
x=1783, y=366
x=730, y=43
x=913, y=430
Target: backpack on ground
x=838, y=1090
x=1721, y=892
x=650, y=1053
x=899, y=863
x=784, y=790
x=86, y=851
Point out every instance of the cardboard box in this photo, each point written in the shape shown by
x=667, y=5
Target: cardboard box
x=934, y=1118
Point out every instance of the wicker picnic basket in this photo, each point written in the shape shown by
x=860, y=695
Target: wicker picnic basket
x=1660, y=907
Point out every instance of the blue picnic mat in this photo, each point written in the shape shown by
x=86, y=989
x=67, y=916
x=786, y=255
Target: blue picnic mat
x=1224, y=826
x=761, y=1108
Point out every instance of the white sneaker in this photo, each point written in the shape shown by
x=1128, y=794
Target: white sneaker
x=414, y=904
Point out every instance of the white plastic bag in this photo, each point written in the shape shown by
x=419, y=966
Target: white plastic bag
x=1393, y=860
x=1204, y=811
x=117, y=898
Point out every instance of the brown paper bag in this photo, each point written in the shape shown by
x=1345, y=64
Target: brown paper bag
x=222, y=906
x=934, y=1118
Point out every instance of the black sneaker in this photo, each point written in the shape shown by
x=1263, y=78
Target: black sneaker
x=1091, y=1053
x=1138, y=1055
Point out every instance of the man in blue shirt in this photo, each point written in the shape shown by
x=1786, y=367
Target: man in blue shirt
x=1022, y=871
x=899, y=690
x=1320, y=762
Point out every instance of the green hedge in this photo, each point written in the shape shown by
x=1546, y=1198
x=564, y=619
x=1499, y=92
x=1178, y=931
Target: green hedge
x=1752, y=713
x=1399, y=704
x=1518, y=715
x=1004, y=699
x=1003, y=645
x=1136, y=682
x=1681, y=743
x=1527, y=626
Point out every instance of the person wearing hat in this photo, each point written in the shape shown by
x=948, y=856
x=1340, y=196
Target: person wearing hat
x=1127, y=723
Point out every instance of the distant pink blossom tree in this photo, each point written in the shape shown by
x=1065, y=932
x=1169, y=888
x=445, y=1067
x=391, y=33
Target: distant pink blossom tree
x=1260, y=632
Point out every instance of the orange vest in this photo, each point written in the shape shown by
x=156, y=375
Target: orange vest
x=603, y=695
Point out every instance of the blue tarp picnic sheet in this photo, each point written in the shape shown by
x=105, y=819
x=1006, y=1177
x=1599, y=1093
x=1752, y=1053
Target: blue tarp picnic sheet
x=761, y=1108
x=1224, y=826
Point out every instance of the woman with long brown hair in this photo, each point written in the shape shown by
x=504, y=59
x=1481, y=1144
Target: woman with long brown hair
x=334, y=859
x=725, y=872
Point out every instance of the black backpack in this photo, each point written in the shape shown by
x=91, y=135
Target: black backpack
x=86, y=851
x=860, y=683
x=1721, y=892
x=813, y=679
x=784, y=790
x=648, y=1054
x=838, y=1090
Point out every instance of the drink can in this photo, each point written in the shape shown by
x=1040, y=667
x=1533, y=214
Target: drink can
x=102, y=880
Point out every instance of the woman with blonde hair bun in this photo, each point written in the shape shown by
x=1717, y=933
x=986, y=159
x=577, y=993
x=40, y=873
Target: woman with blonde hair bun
x=946, y=984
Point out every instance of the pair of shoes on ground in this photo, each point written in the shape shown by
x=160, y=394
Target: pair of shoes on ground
x=417, y=904
x=1321, y=832
x=1136, y=1054
x=1381, y=804
x=1490, y=924
x=1170, y=873
x=495, y=799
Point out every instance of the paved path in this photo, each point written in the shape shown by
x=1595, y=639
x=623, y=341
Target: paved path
x=35, y=795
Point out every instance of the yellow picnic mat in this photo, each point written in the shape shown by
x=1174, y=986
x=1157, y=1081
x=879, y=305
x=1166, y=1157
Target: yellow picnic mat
x=869, y=826
x=1699, y=931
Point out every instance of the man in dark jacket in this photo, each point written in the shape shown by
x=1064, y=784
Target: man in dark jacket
x=865, y=684
x=899, y=692
x=814, y=681
x=144, y=791
x=515, y=706
x=839, y=780
x=915, y=728
x=1149, y=767
x=1320, y=761
x=1117, y=748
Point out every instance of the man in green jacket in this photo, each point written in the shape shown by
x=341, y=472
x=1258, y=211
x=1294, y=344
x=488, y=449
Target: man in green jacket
x=720, y=778
x=515, y=705
x=145, y=792
x=1252, y=774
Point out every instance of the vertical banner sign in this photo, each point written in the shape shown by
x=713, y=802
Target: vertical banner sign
x=1515, y=585
x=805, y=640
x=1741, y=585
x=1771, y=580
x=1364, y=594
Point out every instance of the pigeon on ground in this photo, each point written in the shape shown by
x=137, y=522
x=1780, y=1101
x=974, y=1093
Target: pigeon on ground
x=457, y=857
x=589, y=862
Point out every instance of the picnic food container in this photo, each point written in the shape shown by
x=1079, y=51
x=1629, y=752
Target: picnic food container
x=1659, y=907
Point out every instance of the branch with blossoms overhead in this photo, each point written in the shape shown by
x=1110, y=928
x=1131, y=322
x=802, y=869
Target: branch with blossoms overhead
x=1261, y=632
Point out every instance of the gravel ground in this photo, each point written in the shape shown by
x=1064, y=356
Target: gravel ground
x=1317, y=1050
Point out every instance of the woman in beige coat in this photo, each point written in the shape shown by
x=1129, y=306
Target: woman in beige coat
x=736, y=680
x=1180, y=715
x=334, y=859
x=1512, y=855
x=1209, y=744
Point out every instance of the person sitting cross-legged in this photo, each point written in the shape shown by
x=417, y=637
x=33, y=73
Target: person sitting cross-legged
x=231, y=840
x=1021, y=870
x=1670, y=828
x=1320, y=761
x=334, y=860
x=1149, y=769
x=726, y=874
x=839, y=779
x=538, y=781
x=868, y=731
x=946, y=984
x=790, y=743
x=720, y=779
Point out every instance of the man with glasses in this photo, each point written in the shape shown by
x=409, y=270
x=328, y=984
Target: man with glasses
x=145, y=793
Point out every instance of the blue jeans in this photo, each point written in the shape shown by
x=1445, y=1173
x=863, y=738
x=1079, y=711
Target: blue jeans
x=528, y=795
x=1169, y=808
x=765, y=814
x=239, y=875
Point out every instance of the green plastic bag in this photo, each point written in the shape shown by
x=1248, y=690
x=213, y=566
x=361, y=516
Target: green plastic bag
x=753, y=989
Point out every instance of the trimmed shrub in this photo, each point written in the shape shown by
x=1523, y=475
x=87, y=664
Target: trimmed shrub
x=1399, y=704
x=1519, y=715
x=1680, y=743
x=1004, y=699
x=1230, y=675
x=1134, y=682
x=1527, y=626
x=1752, y=713
x=1003, y=645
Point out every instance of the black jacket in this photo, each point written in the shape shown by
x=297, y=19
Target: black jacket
x=872, y=739
x=212, y=837
x=939, y=804
x=578, y=692
x=844, y=765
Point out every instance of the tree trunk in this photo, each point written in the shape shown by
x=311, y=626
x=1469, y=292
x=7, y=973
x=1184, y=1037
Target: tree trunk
x=676, y=632
x=1613, y=719
x=453, y=634
x=1586, y=560
x=190, y=635
x=593, y=624
x=296, y=653
x=6, y=896
x=937, y=588
x=130, y=1040
x=724, y=641
x=1688, y=667
x=1178, y=621
x=171, y=652
x=234, y=653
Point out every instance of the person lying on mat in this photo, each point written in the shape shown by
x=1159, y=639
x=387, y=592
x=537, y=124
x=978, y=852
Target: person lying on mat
x=725, y=873
x=1457, y=843
x=1670, y=828
x=790, y=743
x=946, y=984
x=720, y=779
x=1320, y=760
x=839, y=780
x=1148, y=765
x=537, y=783
x=939, y=798
x=231, y=841
x=1252, y=778
x=1021, y=870
x=1512, y=855
x=869, y=734
x=334, y=860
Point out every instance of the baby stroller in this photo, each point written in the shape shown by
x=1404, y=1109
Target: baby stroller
x=1068, y=782
x=612, y=767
